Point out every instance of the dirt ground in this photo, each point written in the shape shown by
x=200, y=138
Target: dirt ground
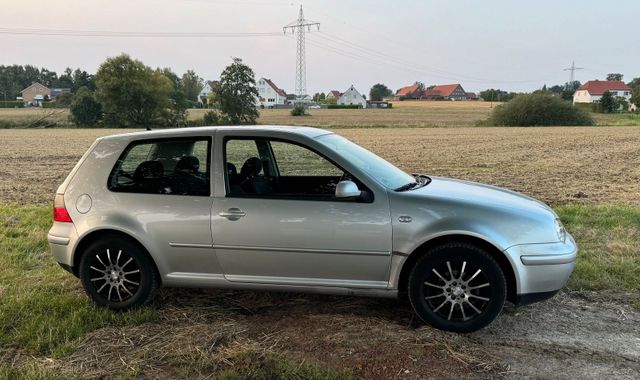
x=574, y=335
x=555, y=164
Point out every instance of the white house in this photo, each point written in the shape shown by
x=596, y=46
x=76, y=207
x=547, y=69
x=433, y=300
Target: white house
x=203, y=96
x=592, y=91
x=352, y=97
x=269, y=95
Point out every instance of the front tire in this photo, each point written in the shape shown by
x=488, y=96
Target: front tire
x=457, y=287
x=118, y=274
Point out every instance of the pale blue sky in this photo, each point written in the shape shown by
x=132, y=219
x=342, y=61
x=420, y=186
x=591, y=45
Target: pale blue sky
x=514, y=45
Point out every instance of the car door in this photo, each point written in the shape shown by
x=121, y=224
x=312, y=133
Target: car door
x=279, y=223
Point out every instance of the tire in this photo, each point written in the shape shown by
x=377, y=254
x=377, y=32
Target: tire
x=457, y=287
x=118, y=274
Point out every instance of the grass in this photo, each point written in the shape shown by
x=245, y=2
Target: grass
x=255, y=366
x=608, y=238
x=42, y=308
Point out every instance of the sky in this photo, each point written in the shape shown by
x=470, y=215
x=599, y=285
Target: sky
x=512, y=45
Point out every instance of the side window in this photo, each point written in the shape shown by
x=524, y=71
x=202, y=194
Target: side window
x=294, y=160
x=167, y=166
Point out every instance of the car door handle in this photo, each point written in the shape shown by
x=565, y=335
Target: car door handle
x=233, y=214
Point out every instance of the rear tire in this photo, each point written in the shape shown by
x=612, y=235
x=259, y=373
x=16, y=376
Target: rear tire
x=118, y=274
x=457, y=287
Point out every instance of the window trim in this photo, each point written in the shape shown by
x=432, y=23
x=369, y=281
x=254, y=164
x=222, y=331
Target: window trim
x=321, y=198
x=134, y=143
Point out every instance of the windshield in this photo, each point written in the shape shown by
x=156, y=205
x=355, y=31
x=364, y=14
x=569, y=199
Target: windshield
x=382, y=171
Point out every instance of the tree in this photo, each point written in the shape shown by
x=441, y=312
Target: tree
x=420, y=85
x=237, y=93
x=64, y=100
x=614, y=76
x=379, y=91
x=323, y=96
x=178, y=116
x=82, y=79
x=316, y=97
x=134, y=95
x=86, y=111
x=191, y=85
x=635, y=91
x=608, y=103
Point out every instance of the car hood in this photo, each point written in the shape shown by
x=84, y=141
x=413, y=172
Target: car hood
x=480, y=194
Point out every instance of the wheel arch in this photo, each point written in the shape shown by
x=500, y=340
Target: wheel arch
x=495, y=252
x=96, y=235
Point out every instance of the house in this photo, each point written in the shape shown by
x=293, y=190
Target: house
x=592, y=91
x=445, y=92
x=352, y=97
x=269, y=95
x=472, y=96
x=409, y=92
x=207, y=89
x=38, y=93
x=333, y=95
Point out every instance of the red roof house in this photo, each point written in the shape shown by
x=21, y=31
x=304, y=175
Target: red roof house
x=409, y=92
x=592, y=91
x=446, y=91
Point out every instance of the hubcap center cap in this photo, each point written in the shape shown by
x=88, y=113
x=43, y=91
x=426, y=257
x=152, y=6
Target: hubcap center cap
x=457, y=291
x=114, y=275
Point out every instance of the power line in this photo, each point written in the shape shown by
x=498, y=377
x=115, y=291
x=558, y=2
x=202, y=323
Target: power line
x=131, y=34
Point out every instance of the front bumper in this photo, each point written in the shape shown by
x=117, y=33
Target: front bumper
x=542, y=268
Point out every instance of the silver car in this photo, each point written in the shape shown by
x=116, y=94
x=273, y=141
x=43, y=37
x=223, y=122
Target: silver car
x=299, y=209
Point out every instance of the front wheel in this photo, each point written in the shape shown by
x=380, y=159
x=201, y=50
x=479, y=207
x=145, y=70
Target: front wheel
x=117, y=274
x=457, y=287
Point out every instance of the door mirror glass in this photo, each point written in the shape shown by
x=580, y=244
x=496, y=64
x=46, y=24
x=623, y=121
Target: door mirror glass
x=347, y=189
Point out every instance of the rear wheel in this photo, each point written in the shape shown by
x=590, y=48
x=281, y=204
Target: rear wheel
x=457, y=287
x=117, y=274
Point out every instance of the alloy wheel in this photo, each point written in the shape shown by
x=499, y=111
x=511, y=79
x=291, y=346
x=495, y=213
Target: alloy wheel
x=115, y=276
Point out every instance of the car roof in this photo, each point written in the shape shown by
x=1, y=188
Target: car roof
x=276, y=131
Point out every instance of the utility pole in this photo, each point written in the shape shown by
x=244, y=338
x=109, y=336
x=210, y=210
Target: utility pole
x=573, y=69
x=299, y=27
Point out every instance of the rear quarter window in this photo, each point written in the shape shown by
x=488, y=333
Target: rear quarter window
x=164, y=166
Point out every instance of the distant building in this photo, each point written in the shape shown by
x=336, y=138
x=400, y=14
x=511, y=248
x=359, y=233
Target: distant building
x=472, y=96
x=409, y=92
x=207, y=89
x=377, y=104
x=38, y=93
x=445, y=92
x=333, y=94
x=352, y=97
x=269, y=95
x=592, y=91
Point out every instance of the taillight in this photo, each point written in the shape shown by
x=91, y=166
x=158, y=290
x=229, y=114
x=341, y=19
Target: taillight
x=60, y=213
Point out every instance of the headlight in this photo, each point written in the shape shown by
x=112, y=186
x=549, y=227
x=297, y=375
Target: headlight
x=562, y=233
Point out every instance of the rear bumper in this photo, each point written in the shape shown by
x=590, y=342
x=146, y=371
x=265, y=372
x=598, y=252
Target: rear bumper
x=62, y=238
x=542, y=269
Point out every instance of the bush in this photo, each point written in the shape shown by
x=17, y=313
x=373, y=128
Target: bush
x=48, y=104
x=11, y=104
x=538, y=109
x=86, y=111
x=210, y=118
x=344, y=106
x=64, y=100
x=299, y=110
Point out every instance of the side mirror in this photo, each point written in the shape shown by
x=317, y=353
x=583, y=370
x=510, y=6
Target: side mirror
x=347, y=189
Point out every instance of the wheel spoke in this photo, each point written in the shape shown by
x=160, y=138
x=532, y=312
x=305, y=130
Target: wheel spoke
x=118, y=258
x=474, y=275
x=131, y=282
x=464, y=316
x=464, y=264
x=126, y=290
x=97, y=270
x=109, y=257
x=128, y=261
x=118, y=292
x=441, y=305
x=473, y=307
x=98, y=278
x=109, y=295
x=436, y=296
x=478, y=297
x=438, y=274
x=103, y=285
x=133, y=271
x=450, y=271
x=100, y=260
x=479, y=286
x=435, y=286
x=451, y=310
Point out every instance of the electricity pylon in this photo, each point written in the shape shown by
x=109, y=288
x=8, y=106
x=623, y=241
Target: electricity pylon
x=573, y=69
x=299, y=27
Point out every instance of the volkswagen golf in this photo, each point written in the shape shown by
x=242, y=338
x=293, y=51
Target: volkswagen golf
x=299, y=209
